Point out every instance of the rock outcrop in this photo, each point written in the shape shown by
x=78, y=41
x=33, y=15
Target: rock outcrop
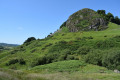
x=86, y=20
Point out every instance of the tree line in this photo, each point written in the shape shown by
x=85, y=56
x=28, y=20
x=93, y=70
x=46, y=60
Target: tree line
x=109, y=16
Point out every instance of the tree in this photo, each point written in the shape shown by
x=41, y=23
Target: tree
x=63, y=25
x=110, y=17
x=29, y=39
x=101, y=12
x=117, y=20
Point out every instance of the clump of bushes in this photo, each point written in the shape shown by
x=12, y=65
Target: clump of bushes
x=29, y=40
x=111, y=59
x=83, y=50
x=94, y=57
x=14, y=61
x=105, y=44
x=53, y=57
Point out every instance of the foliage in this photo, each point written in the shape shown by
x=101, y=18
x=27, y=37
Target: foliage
x=83, y=50
x=105, y=44
x=63, y=25
x=83, y=24
x=64, y=30
x=68, y=66
x=14, y=61
x=94, y=57
x=110, y=17
x=29, y=39
x=117, y=20
x=111, y=59
x=102, y=12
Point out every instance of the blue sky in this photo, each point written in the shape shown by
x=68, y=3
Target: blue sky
x=20, y=19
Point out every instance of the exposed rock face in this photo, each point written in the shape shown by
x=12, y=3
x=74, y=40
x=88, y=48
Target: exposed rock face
x=86, y=20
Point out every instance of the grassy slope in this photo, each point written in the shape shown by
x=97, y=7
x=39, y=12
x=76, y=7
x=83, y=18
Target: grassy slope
x=40, y=48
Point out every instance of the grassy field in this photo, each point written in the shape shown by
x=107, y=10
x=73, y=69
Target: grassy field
x=64, y=70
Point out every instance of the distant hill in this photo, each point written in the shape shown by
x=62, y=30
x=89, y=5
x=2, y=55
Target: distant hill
x=8, y=45
x=5, y=46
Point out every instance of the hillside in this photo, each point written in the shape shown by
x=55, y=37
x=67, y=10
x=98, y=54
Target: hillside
x=70, y=53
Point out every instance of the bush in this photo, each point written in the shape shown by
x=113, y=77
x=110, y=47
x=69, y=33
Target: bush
x=105, y=44
x=13, y=61
x=70, y=57
x=51, y=57
x=63, y=25
x=94, y=57
x=29, y=39
x=83, y=50
x=22, y=61
x=111, y=59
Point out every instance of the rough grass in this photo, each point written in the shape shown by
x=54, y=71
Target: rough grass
x=87, y=72
x=62, y=66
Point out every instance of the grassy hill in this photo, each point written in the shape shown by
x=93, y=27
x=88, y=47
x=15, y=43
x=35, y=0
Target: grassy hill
x=93, y=47
x=65, y=55
x=5, y=46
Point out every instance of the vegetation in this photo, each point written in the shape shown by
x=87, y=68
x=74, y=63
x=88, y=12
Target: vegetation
x=65, y=55
x=109, y=16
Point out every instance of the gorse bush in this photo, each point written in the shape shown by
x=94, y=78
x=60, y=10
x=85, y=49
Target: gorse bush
x=105, y=44
x=94, y=57
x=53, y=57
x=14, y=61
x=111, y=59
x=27, y=42
x=83, y=50
x=22, y=61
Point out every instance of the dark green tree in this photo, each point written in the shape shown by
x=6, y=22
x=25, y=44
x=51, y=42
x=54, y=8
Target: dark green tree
x=63, y=25
x=29, y=39
x=117, y=20
x=110, y=17
x=101, y=12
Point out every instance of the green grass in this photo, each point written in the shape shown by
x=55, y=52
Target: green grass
x=63, y=66
x=63, y=70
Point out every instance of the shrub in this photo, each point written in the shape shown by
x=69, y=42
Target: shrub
x=105, y=36
x=105, y=44
x=94, y=57
x=39, y=61
x=29, y=39
x=70, y=57
x=83, y=50
x=63, y=25
x=13, y=61
x=22, y=61
x=111, y=59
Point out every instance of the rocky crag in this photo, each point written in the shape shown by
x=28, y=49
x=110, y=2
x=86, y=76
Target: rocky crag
x=85, y=20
